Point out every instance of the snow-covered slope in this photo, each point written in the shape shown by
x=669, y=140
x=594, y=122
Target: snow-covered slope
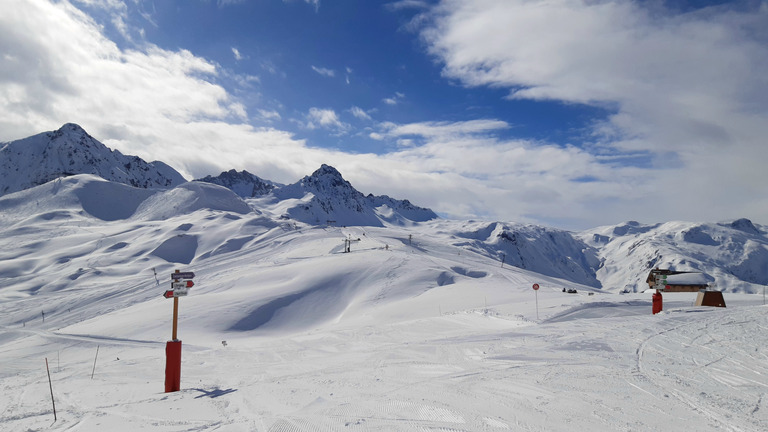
x=70, y=150
x=734, y=255
x=543, y=250
x=418, y=327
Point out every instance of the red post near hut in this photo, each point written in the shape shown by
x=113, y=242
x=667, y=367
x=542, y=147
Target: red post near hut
x=657, y=302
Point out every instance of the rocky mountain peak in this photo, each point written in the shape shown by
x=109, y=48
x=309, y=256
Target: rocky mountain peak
x=70, y=150
x=243, y=183
x=744, y=225
x=328, y=178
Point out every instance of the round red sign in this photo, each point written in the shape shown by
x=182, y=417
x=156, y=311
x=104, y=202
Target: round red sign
x=535, y=286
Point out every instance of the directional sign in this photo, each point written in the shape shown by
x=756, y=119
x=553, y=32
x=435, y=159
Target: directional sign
x=182, y=275
x=181, y=292
x=168, y=294
x=182, y=284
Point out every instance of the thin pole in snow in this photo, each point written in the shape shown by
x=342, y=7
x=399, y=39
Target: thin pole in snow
x=51, y=387
x=94, y=361
x=537, y=304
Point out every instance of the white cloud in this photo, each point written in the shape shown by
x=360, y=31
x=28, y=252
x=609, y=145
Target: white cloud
x=237, y=54
x=687, y=86
x=394, y=100
x=325, y=119
x=465, y=170
x=407, y=4
x=324, y=71
x=269, y=116
x=359, y=113
x=445, y=129
x=58, y=67
x=315, y=3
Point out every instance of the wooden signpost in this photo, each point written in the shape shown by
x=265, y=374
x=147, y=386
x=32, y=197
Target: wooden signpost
x=182, y=281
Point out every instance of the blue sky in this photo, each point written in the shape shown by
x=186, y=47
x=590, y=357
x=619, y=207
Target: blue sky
x=362, y=59
x=569, y=113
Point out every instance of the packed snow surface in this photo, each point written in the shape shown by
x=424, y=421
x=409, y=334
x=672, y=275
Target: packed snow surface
x=417, y=328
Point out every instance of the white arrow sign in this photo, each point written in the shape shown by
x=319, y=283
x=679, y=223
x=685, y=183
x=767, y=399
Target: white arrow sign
x=182, y=284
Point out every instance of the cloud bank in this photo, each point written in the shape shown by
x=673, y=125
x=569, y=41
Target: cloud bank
x=687, y=88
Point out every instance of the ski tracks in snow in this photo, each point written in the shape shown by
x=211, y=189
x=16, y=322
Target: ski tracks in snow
x=685, y=361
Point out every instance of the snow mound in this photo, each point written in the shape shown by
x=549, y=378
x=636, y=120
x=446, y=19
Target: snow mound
x=102, y=199
x=744, y=225
x=180, y=249
x=190, y=197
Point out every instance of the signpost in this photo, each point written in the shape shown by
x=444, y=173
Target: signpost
x=182, y=282
x=536, y=290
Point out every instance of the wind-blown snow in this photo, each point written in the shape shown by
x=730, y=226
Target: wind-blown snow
x=419, y=327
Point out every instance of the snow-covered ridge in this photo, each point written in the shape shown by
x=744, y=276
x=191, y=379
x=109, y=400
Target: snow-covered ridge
x=323, y=198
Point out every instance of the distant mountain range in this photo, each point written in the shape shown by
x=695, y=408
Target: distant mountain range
x=733, y=254
x=319, y=199
x=324, y=198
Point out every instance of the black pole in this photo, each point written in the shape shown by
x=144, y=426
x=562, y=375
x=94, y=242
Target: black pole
x=94, y=361
x=51, y=386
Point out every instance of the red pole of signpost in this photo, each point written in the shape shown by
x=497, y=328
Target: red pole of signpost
x=172, y=366
x=173, y=347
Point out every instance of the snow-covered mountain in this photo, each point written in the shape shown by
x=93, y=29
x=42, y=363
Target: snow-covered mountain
x=734, y=255
x=243, y=183
x=548, y=251
x=70, y=150
x=323, y=198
